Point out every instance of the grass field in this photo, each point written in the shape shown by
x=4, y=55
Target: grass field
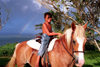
x=92, y=59
x=92, y=56
x=4, y=61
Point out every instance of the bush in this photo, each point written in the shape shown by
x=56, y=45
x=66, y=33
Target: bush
x=7, y=50
x=90, y=47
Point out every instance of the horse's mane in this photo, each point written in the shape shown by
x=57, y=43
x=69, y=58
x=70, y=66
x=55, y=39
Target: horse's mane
x=68, y=34
x=79, y=32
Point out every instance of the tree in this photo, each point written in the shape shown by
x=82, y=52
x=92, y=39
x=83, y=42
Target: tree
x=80, y=11
x=3, y=21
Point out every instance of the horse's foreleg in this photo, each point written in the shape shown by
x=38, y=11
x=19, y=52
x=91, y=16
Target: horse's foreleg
x=21, y=65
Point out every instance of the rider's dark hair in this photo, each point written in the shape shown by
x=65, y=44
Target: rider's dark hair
x=48, y=13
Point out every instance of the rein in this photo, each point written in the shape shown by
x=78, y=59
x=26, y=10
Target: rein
x=66, y=49
x=72, y=50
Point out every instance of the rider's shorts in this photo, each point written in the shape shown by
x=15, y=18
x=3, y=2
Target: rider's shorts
x=44, y=45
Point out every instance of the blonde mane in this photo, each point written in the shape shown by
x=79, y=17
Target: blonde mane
x=79, y=32
x=68, y=34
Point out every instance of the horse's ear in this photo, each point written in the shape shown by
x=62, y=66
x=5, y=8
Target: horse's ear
x=85, y=26
x=73, y=26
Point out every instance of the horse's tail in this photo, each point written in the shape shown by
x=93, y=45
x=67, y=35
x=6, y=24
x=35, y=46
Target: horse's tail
x=12, y=62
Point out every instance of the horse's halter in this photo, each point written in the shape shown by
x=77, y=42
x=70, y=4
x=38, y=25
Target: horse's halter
x=76, y=51
x=72, y=55
x=73, y=48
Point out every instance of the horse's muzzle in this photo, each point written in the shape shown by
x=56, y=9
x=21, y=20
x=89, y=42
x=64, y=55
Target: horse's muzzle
x=79, y=62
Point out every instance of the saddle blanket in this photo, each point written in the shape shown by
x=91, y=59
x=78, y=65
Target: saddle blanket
x=36, y=45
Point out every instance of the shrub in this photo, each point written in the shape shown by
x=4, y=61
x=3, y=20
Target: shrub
x=7, y=50
x=90, y=47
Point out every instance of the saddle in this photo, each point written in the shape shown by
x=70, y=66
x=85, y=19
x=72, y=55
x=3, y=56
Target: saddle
x=38, y=39
x=35, y=44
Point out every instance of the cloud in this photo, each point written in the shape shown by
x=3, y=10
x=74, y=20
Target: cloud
x=25, y=7
x=37, y=4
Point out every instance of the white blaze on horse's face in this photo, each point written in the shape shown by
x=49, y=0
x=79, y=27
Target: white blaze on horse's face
x=79, y=40
x=80, y=48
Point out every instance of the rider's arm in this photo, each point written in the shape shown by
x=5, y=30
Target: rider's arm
x=48, y=32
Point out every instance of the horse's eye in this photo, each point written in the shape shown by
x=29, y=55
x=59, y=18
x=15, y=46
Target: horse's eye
x=74, y=41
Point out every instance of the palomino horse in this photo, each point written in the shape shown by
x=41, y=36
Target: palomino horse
x=67, y=51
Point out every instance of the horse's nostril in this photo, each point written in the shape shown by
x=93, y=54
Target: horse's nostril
x=76, y=61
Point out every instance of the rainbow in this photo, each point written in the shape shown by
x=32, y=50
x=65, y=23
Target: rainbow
x=26, y=26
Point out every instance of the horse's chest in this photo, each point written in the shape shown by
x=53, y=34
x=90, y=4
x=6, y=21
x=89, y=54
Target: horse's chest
x=60, y=59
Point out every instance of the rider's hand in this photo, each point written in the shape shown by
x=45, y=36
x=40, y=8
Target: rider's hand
x=59, y=34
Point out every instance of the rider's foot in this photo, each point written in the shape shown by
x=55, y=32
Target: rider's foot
x=37, y=61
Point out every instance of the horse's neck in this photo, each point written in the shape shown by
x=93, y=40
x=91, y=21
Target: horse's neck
x=64, y=44
x=64, y=41
x=62, y=50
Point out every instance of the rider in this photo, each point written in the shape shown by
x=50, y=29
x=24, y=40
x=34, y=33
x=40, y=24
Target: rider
x=47, y=33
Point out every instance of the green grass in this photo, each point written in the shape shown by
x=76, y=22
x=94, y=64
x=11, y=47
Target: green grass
x=6, y=51
x=92, y=59
x=4, y=61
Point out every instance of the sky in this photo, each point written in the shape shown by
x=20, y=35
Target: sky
x=23, y=16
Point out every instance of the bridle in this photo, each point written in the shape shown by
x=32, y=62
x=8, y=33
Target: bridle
x=73, y=51
x=72, y=55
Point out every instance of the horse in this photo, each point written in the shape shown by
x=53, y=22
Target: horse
x=68, y=50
